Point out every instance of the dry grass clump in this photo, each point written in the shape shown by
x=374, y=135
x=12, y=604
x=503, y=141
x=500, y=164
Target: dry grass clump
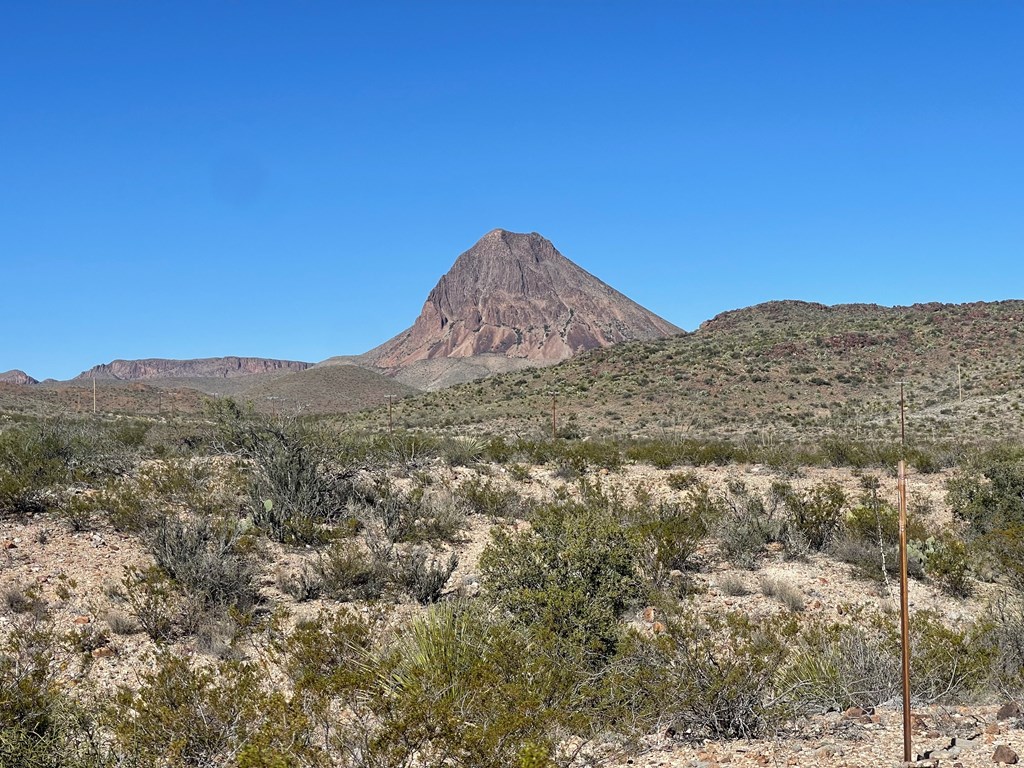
x=733, y=585
x=782, y=591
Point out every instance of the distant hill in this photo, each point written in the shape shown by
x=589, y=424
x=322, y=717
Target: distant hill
x=325, y=390
x=208, y=367
x=782, y=369
x=50, y=398
x=515, y=301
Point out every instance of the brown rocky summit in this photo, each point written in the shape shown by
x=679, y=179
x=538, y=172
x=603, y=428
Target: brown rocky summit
x=516, y=296
x=16, y=377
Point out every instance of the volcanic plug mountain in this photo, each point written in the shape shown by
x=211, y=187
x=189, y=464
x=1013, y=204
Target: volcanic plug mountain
x=514, y=295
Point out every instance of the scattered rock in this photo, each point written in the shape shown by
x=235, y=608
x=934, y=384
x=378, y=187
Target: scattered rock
x=1004, y=754
x=102, y=652
x=82, y=620
x=1008, y=710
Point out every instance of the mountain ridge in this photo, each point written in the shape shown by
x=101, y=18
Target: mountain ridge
x=227, y=367
x=777, y=370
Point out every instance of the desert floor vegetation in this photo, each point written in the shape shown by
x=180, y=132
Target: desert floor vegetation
x=246, y=591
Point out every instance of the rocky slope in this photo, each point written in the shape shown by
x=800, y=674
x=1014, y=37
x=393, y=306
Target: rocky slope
x=514, y=295
x=16, y=377
x=776, y=370
x=210, y=367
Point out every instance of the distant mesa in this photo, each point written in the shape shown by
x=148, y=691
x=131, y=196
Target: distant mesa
x=207, y=368
x=16, y=377
x=515, y=296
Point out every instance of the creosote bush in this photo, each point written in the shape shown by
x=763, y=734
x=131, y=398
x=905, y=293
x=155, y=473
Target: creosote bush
x=572, y=573
x=669, y=534
x=184, y=716
x=750, y=521
x=708, y=676
x=40, y=725
x=459, y=688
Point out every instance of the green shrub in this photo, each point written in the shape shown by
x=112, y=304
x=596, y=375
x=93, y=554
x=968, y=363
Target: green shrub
x=181, y=716
x=710, y=676
x=79, y=511
x=838, y=665
x=326, y=658
x=669, y=535
x=349, y=573
x=992, y=506
x=212, y=560
x=460, y=689
x=31, y=460
x=948, y=664
x=750, y=522
x=424, y=580
x=989, y=502
x=817, y=515
x=293, y=491
x=484, y=496
x=949, y=565
x=40, y=726
x=127, y=507
x=152, y=601
x=571, y=574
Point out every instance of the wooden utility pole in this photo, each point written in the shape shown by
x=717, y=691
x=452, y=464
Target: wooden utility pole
x=554, y=420
x=903, y=422
x=94, y=394
x=904, y=597
x=959, y=383
x=391, y=425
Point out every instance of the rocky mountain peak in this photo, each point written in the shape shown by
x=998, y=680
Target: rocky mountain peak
x=16, y=377
x=516, y=296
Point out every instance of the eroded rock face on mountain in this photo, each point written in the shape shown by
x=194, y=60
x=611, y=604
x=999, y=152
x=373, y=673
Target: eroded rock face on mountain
x=210, y=367
x=515, y=295
x=16, y=377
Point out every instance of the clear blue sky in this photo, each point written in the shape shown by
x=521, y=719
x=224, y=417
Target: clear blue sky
x=289, y=179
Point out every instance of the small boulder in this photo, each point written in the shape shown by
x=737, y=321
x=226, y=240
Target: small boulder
x=1005, y=755
x=1008, y=710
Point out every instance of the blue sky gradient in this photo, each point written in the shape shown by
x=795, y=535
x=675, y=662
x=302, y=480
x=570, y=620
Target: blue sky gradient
x=289, y=179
